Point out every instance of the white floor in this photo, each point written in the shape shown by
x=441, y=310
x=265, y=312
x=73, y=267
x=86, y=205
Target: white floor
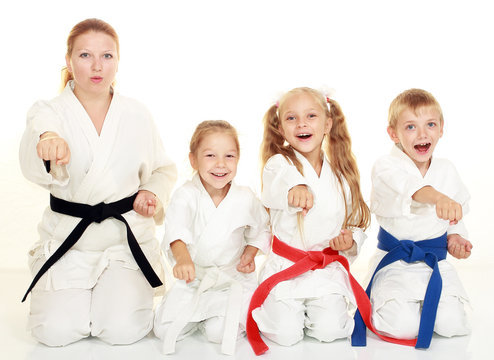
x=16, y=342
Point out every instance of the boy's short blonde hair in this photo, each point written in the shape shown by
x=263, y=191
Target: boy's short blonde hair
x=412, y=99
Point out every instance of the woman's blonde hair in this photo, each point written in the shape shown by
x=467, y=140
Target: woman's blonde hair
x=81, y=28
x=413, y=99
x=212, y=126
x=337, y=146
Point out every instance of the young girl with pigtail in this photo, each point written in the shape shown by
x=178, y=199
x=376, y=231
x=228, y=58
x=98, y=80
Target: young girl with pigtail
x=311, y=187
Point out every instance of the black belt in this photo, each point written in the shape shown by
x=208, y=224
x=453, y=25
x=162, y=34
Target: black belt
x=96, y=213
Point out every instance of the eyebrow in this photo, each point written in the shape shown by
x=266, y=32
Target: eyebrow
x=87, y=50
x=309, y=110
x=211, y=150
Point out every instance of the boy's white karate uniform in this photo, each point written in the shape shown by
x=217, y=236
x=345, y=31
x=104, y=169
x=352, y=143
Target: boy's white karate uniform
x=321, y=301
x=215, y=238
x=399, y=288
x=127, y=156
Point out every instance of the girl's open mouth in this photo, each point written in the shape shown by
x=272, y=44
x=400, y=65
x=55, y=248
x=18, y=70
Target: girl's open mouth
x=219, y=174
x=304, y=136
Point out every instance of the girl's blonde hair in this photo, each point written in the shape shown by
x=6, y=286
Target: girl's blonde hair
x=81, y=28
x=338, y=148
x=211, y=126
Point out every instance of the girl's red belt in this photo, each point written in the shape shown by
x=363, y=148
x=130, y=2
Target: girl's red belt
x=303, y=262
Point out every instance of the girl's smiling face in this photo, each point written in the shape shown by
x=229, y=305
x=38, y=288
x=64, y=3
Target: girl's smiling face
x=303, y=124
x=418, y=133
x=216, y=160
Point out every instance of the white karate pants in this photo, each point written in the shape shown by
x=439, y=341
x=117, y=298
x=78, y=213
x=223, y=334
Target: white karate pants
x=118, y=309
x=399, y=317
x=212, y=328
x=283, y=321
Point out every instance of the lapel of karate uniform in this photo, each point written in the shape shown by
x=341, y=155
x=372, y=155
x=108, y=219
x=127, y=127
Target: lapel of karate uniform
x=101, y=148
x=219, y=221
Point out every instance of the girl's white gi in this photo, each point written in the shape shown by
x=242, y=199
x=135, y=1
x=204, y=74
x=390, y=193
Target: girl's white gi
x=215, y=238
x=127, y=156
x=399, y=288
x=321, y=301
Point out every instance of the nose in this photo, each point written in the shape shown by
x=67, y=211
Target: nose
x=220, y=161
x=421, y=132
x=96, y=64
x=300, y=122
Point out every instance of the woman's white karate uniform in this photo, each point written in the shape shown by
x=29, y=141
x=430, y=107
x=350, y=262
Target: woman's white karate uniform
x=319, y=301
x=96, y=288
x=399, y=288
x=215, y=238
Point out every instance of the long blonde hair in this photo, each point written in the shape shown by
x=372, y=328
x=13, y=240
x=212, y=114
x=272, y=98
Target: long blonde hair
x=338, y=148
x=81, y=28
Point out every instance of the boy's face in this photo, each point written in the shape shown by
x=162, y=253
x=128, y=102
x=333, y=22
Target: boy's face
x=418, y=134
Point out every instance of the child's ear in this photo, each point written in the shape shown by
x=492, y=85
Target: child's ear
x=280, y=129
x=329, y=125
x=393, y=135
x=193, y=161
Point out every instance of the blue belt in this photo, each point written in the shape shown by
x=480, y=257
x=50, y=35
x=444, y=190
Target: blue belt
x=429, y=251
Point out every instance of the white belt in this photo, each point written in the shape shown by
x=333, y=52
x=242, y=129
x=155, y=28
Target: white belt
x=212, y=277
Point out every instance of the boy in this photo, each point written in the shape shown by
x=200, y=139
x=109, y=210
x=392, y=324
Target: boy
x=416, y=196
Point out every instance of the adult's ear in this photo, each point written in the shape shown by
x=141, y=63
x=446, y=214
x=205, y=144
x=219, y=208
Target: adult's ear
x=67, y=63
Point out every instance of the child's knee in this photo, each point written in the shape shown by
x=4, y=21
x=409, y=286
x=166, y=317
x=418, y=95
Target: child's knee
x=328, y=318
x=280, y=321
x=451, y=318
x=213, y=329
x=398, y=318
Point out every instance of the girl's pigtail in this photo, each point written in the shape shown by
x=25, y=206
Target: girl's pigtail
x=344, y=165
x=272, y=140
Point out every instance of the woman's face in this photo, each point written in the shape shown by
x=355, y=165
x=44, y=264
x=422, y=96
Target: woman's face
x=93, y=63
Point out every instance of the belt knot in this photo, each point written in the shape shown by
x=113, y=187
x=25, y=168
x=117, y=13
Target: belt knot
x=100, y=212
x=320, y=258
x=415, y=253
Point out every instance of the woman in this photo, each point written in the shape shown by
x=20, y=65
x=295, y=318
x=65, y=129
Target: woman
x=100, y=156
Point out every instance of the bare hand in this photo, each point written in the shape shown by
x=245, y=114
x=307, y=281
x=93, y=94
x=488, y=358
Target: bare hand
x=145, y=203
x=247, y=263
x=52, y=147
x=300, y=196
x=448, y=209
x=459, y=247
x=342, y=242
x=185, y=270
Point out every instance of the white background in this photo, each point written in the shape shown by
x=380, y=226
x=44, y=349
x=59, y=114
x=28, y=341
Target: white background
x=190, y=61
